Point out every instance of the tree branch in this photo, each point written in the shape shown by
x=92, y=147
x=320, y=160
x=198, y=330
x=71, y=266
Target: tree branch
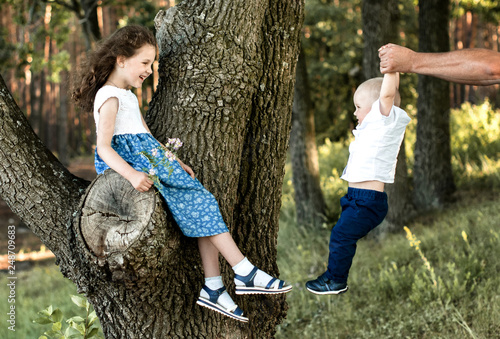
x=35, y=185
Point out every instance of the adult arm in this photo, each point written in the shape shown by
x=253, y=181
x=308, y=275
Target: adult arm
x=476, y=66
x=107, y=117
x=388, y=92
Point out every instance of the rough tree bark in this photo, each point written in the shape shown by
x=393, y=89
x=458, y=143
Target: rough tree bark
x=433, y=178
x=226, y=90
x=378, y=30
x=310, y=204
x=227, y=71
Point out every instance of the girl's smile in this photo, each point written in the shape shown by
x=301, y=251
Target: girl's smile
x=131, y=72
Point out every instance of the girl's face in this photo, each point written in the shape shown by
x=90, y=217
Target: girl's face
x=134, y=70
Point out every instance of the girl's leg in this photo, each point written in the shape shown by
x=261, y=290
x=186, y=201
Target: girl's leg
x=248, y=278
x=225, y=244
x=213, y=294
x=209, y=257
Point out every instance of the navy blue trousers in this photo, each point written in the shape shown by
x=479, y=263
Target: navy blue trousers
x=362, y=211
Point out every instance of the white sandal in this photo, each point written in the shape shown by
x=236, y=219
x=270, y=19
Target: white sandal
x=250, y=288
x=233, y=312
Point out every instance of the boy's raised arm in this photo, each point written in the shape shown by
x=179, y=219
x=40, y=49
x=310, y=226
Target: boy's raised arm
x=388, y=92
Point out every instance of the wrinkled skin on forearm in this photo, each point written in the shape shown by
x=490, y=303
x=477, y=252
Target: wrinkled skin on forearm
x=480, y=67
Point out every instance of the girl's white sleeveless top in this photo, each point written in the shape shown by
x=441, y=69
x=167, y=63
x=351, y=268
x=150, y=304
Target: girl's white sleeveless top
x=128, y=118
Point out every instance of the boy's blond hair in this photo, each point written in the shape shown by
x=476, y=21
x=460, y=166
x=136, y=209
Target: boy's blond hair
x=371, y=89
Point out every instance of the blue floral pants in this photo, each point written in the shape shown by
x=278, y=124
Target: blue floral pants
x=194, y=208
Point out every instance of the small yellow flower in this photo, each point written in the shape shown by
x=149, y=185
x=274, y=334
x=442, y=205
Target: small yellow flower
x=414, y=242
x=464, y=235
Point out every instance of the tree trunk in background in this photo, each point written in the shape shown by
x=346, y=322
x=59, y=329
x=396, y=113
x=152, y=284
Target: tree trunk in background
x=380, y=26
x=378, y=30
x=433, y=178
x=62, y=124
x=310, y=205
x=227, y=72
x=89, y=21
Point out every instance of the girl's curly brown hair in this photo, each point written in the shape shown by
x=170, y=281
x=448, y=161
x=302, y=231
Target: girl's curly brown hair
x=99, y=64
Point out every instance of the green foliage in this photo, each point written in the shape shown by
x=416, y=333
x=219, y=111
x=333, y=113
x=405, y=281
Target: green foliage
x=333, y=47
x=6, y=50
x=30, y=16
x=333, y=158
x=77, y=326
x=393, y=293
x=333, y=44
x=475, y=144
x=134, y=12
x=488, y=10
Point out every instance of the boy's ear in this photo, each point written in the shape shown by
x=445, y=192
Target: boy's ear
x=120, y=60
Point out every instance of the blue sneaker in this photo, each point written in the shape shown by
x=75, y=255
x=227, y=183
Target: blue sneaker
x=323, y=285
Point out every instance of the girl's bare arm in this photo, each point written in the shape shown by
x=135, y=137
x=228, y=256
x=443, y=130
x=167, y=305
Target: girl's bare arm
x=107, y=117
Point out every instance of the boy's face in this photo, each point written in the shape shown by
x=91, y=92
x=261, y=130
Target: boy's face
x=363, y=104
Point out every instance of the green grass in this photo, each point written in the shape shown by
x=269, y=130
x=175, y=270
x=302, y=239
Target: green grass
x=392, y=293
x=36, y=289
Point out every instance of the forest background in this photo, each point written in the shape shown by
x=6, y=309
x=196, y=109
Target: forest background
x=41, y=42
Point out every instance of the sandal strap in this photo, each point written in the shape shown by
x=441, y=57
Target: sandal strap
x=237, y=311
x=277, y=287
x=281, y=284
x=248, y=279
x=268, y=287
x=214, y=294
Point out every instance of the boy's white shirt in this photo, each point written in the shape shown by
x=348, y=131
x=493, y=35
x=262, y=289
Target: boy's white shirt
x=373, y=153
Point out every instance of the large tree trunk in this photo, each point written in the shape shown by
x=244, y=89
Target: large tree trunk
x=226, y=89
x=310, y=205
x=130, y=263
x=433, y=178
x=378, y=30
x=227, y=71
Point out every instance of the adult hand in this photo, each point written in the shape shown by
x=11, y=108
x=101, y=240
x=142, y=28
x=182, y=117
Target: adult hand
x=395, y=58
x=141, y=181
